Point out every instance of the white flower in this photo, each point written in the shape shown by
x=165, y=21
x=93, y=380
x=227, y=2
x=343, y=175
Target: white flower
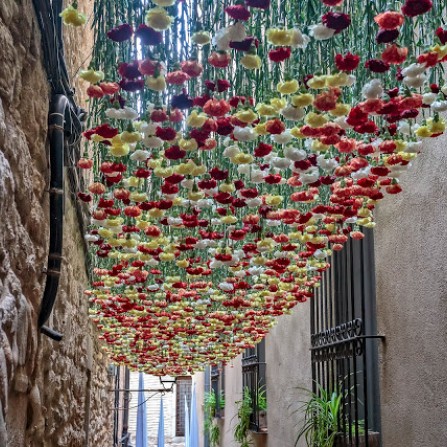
x=153, y=287
x=361, y=173
x=256, y=270
x=254, y=203
x=341, y=121
x=244, y=133
x=351, y=220
x=152, y=142
x=205, y=203
x=273, y=223
x=294, y=154
x=439, y=106
x=226, y=286
x=187, y=183
x=311, y=176
x=280, y=163
x=244, y=169
x=414, y=70
x=293, y=113
x=231, y=151
x=148, y=128
x=321, y=32
x=91, y=237
x=224, y=36
x=140, y=155
x=175, y=220
x=328, y=164
x=373, y=89
x=429, y=98
x=413, y=147
x=319, y=254
x=125, y=113
x=283, y=138
x=152, y=262
x=404, y=127
x=298, y=39
x=415, y=81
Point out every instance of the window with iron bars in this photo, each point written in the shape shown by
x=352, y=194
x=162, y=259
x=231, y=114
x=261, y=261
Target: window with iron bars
x=254, y=379
x=344, y=342
x=218, y=388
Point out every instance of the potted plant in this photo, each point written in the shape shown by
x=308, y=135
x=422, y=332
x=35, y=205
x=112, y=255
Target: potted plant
x=210, y=425
x=244, y=411
x=262, y=407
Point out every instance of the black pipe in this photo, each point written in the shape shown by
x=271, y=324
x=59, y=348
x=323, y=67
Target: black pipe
x=59, y=119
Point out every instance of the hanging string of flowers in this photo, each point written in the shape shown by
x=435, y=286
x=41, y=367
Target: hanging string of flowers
x=233, y=147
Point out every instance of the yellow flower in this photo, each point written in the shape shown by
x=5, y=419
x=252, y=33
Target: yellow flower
x=436, y=126
x=154, y=163
x=196, y=119
x=164, y=3
x=260, y=129
x=182, y=263
x=278, y=103
x=185, y=168
x=246, y=116
x=163, y=172
x=158, y=19
x=251, y=61
x=119, y=150
x=130, y=137
x=156, y=213
x=166, y=256
x=315, y=120
x=201, y=38
x=337, y=80
x=423, y=132
x=227, y=187
x=97, y=138
x=198, y=170
x=105, y=233
x=340, y=109
x=296, y=132
x=195, y=195
x=71, y=16
x=138, y=196
x=273, y=200
x=265, y=109
x=441, y=50
x=318, y=146
x=288, y=87
x=228, y=220
x=157, y=84
x=317, y=82
x=279, y=37
x=92, y=76
x=133, y=181
x=242, y=159
x=303, y=100
x=188, y=145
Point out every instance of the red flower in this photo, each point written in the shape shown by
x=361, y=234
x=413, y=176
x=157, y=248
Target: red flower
x=177, y=77
x=95, y=91
x=389, y=20
x=275, y=126
x=262, y=4
x=377, y=66
x=149, y=67
x=348, y=62
x=120, y=33
x=166, y=133
x=280, y=54
x=219, y=59
x=387, y=36
x=442, y=35
x=218, y=174
x=109, y=88
x=224, y=126
x=430, y=59
x=395, y=55
x=413, y=8
x=174, y=153
x=224, y=198
x=238, y=12
x=356, y=117
x=193, y=68
x=216, y=107
x=148, y=35
x=336, y=20
x=106, y=131
x=176, y=116
x=158, y=116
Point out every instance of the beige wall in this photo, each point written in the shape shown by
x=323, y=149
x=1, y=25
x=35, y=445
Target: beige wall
x=51, y=394
x=411, y=250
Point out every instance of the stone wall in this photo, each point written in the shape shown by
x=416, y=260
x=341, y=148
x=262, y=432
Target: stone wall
x=411, y=246
x=51, y=394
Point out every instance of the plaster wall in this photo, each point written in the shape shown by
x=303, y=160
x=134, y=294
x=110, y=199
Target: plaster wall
x=411, y=246
x=51, y=394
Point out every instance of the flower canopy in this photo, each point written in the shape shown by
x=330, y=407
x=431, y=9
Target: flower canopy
x=231, y=148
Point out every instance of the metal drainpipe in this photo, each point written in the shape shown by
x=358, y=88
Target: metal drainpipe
x=59, y=116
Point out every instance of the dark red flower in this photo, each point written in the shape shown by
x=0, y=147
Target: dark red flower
x=280, y=54
x=336, y=20
x=377, y=66
x=174, y=153
x=223, y=85
x=356, y=117
x=245, y=44
x=158, y=116
x=332, y=2
x=238, y=12
x=132, y=85
x=224, y=126
x=129, y=70
x=387, y=35
x=275, y=126
x=413, y=8
x=120, y=33
x=148, y=36
x=442, y=35
x=348, y=62
x=166, y=133
x=182, y=101
x=201, y=100
x=106, y=131
x=218, y=174
x=262, y=4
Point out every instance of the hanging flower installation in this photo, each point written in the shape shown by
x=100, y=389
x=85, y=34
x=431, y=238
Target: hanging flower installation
x=232, y=150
